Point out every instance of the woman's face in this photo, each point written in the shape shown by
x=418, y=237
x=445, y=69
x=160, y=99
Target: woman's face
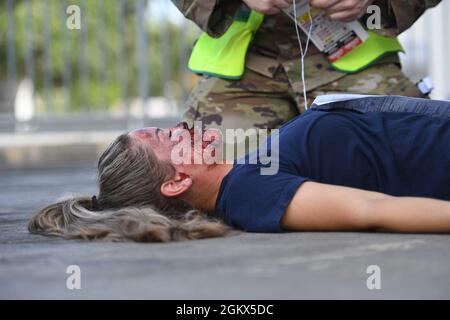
x=163, y=141
x=157, y=139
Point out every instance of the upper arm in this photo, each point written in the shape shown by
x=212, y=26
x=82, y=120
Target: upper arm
x=317, y=206
x=402, y=14
x=213, y=17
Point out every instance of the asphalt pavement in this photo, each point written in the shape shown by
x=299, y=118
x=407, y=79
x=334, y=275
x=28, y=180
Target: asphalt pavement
x=241, y=266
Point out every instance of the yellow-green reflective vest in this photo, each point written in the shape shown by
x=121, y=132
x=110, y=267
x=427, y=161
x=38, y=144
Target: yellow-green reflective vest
x=224, y=57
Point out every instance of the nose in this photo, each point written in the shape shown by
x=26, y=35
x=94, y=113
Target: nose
x=183, y=125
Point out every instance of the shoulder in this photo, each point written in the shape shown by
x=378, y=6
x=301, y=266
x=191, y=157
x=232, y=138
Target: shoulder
x=254, y=202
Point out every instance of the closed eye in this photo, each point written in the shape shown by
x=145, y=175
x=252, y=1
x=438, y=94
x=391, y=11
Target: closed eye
x=157, y=133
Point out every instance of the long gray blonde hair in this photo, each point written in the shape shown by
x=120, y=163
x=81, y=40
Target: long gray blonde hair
x=129, y=206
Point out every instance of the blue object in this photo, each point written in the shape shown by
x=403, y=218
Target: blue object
x=395, y=145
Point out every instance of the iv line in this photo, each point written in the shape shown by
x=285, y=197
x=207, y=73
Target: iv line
x=303, y=54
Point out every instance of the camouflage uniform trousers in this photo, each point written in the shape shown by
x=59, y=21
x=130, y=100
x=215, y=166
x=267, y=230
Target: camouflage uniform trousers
x=257, y=101
x=260, y=102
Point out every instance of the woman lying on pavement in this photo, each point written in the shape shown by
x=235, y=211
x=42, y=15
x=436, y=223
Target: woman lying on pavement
x=371, y=163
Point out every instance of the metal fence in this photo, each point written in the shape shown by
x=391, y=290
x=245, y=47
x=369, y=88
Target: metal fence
x=114, y=64
x=121, y=61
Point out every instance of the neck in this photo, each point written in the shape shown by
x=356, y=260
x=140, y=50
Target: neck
x=207, y=188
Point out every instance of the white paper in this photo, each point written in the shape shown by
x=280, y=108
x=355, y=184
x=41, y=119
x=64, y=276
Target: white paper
x=333, y=38
x=330, y=98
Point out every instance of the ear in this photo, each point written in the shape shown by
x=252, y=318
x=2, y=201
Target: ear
x=177, y=185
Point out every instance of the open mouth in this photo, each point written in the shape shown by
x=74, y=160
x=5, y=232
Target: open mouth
x=185, y=126
x=204, y=143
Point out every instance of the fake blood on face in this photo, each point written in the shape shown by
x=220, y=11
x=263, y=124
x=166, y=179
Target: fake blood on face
x=204, y=143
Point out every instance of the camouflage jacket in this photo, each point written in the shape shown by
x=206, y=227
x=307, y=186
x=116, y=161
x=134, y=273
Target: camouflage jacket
x=275, y=42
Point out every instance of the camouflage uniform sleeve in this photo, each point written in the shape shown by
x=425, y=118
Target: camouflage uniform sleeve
x=212, y=16
x=399, y=15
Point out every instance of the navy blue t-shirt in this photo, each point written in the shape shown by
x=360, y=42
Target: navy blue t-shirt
x=401, y=154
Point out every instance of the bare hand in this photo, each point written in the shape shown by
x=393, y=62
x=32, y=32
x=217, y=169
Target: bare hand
x=343, y=10
x=268, y=6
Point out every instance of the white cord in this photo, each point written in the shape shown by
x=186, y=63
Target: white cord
x=303, y=54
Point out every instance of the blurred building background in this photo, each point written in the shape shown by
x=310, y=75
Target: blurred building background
x=427, y=46
x=125, y=68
